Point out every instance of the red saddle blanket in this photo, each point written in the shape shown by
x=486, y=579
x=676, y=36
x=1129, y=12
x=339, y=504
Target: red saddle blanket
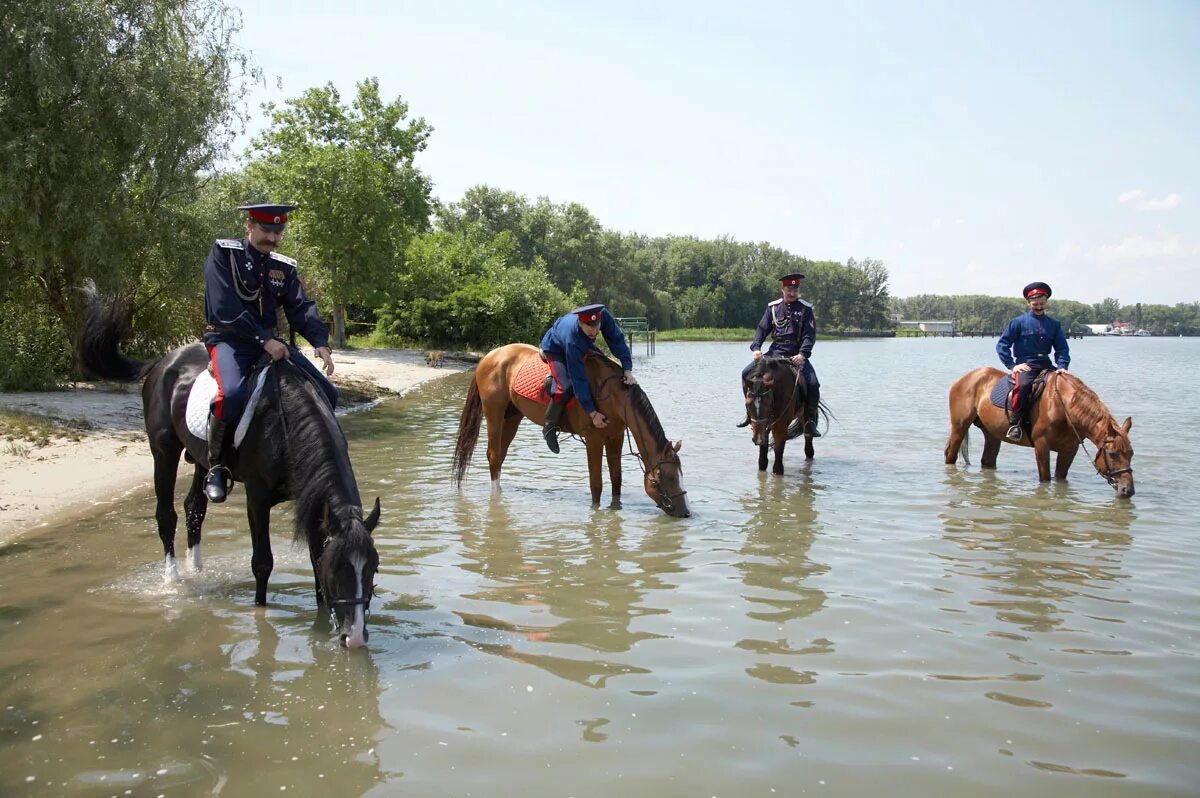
x=531, y=380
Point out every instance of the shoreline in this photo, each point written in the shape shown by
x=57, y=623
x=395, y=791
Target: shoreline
x=45, y=485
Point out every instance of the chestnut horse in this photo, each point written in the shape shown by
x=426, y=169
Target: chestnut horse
x=1067, y=414
x=492, y=396
x=775, y=407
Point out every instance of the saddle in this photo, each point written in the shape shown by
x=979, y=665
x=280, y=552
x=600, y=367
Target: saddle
x=200, y=398
x=1003, y=394
x=535, y=382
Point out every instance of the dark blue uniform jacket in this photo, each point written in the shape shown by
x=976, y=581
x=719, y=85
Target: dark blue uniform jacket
x=792, y=325
x=1029, y=339
x=565, y=341
x=243, y=289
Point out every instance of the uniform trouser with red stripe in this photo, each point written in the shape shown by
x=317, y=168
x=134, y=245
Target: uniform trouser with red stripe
x=232, y=362
x=1019, y=403
x=560, y=386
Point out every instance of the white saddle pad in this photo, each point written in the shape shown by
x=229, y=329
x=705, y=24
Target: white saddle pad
x=204, y=390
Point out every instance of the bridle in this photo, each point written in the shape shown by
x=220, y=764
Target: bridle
x=764, y=390
x=364, y=600
x=1109, y=473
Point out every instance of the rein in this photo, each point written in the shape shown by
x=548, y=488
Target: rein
x=668, y=499
x=1109, y=473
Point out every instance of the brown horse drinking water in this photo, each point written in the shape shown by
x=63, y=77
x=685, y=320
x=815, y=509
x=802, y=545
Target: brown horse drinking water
x=494, y=394
x=1067, y=414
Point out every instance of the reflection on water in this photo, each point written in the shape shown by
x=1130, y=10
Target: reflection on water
x=782, y=524
x=1038, y=553
x=869, y=622
x=583, y=591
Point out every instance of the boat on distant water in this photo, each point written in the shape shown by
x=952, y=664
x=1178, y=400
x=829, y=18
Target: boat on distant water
x=1142, y=333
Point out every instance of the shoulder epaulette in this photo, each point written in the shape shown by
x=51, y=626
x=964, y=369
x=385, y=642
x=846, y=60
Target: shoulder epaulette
x=284, y=258
x=805, y=303
x=775, y=302
x=229, y=243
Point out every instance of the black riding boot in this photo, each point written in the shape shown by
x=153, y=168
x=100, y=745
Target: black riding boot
x=550, y=428
x=810, y=419
x=218, y=482
x=1015, y=422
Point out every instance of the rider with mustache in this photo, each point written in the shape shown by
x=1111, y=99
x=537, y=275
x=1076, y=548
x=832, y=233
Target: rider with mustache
x=790, y=322
x=1024, y=349
x=245, y=283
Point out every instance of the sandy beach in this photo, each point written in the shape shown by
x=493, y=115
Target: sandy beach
x=42, y=485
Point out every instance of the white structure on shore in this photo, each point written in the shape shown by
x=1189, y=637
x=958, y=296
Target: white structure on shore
x=926, y=326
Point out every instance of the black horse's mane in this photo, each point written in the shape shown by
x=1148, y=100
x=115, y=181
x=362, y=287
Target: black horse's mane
x=640, y=402
x=320, y=477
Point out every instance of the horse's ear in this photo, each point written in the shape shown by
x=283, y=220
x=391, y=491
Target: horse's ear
x=373, y=519
x=1128, y=423
x=677, y=445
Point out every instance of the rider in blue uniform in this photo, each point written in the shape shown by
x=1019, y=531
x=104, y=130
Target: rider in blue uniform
x=564, y=345
x=790, y=321
x=1024, y=349
x=245, y=283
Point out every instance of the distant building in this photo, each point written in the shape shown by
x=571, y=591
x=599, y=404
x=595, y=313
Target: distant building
x=926, y=326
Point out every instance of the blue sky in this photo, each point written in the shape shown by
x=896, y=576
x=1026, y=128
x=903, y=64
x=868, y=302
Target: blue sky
x=972, y=147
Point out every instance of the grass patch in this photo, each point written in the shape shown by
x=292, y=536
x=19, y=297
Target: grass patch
x=18, y=427
x=705, y=334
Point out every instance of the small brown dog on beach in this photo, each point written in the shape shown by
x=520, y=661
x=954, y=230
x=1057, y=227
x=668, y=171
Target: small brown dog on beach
x=437, y=358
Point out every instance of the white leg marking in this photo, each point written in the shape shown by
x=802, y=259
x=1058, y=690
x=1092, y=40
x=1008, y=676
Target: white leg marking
x=196, y=560
x=170, y=570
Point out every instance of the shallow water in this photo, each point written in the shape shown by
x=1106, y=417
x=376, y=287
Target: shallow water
x=873, y=622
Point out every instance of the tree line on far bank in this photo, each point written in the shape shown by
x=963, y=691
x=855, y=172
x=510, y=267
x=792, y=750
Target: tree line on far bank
x=975, y=313
x=116, y=120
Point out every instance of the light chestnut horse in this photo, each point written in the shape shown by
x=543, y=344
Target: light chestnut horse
x=1067, y=414
x=493, y=396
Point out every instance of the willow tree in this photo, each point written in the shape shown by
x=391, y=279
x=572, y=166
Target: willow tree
x=109, y=109
x=350, y=169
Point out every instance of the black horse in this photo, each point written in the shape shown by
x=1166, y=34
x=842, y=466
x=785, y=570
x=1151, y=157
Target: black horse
x=775, y=407
x=293, y=449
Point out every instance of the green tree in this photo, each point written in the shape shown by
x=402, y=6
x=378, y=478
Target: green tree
x=109, y=109
x=350, y=169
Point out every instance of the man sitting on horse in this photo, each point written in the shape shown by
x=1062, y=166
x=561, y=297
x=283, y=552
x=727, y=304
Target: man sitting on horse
x=245, y=283
x=1024, y=348
x=790, y=322
x=564, y=345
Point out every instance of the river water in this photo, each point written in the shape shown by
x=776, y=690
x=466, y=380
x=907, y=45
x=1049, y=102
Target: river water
x=870, y=623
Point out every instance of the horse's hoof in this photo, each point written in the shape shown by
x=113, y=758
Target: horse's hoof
x=194, y=558
x=170, y=571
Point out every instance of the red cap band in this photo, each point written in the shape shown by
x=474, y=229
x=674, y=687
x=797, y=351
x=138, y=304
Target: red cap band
x=268, y=218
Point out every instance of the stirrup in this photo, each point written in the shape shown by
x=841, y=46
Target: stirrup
x=551, y=436
x=1014, y=432
x=218, y=483
x=744, y=423
x=810, y=428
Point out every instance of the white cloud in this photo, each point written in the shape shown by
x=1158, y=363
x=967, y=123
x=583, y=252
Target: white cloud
x=1137, y=198
x=1142, y=248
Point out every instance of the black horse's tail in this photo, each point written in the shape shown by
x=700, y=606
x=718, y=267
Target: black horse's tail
x=103, y=329
x=468, y=432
